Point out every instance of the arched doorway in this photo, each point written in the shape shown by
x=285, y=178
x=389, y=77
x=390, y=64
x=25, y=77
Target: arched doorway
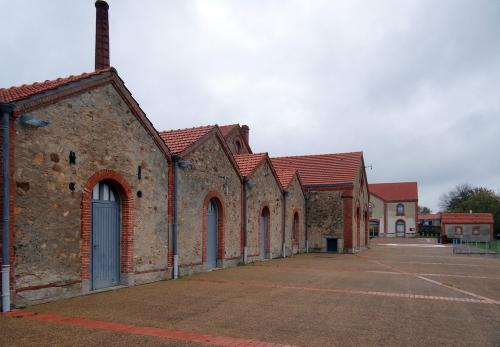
x=105, y=237
x=400, y=228
x=264, y=232
x=212, y=227
x=295, y=228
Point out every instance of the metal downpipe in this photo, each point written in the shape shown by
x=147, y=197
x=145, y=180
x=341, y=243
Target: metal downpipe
x=174, y=224
x=245, y=225
x=6, y=110
x=283, y=225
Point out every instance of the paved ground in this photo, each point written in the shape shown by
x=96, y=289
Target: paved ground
x=398, y=293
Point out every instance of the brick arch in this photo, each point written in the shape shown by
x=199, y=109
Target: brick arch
x=221, y=218
x=127, y=220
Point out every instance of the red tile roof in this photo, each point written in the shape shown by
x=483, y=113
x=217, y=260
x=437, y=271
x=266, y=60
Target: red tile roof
x=323, y=169
x=400, y=191
x=433, y=216
x=249, y=162
x=180, y=139
x=466, y=218
x=27, y=90
x=285, y=176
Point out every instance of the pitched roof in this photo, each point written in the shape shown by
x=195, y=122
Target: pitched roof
x=180, y=139
x=226, y=129
x=285, y=176
x=25, y=91
x=396, y=191
x=249, y=162
x=466, y=218
x=323, y=169
x=433, y=216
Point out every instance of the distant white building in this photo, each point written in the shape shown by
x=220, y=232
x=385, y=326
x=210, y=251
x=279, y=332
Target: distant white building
x=393, y=209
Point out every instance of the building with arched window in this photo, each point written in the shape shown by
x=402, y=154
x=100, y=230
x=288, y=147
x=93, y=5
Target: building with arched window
x=394, y=209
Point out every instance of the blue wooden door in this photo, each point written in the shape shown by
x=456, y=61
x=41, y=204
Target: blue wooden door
x=211, y=245
x=105, y=237
x=264, y=221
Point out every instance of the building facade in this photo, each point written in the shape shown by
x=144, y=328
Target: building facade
x=206, y=194
x=88, y=179
x=393, y=209
x=94, y=197
x=336, y=199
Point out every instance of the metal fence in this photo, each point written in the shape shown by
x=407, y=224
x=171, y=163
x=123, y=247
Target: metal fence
x=461, y=246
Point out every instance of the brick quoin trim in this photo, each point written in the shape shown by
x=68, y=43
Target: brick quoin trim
x=347, y=216
x=12, y=194
x=221, y=219
x=127, y=221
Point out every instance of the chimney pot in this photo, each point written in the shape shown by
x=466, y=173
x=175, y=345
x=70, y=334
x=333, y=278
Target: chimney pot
x=101, y=35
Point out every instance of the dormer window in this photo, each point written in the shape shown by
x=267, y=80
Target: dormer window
x=400, y=210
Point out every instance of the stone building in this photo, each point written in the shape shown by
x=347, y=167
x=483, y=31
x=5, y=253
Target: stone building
x=94, y=197
x=295, y=209
x=88, y=188
x=393, y=209
x=206, y=200
x=263, y=223
x=336, y=199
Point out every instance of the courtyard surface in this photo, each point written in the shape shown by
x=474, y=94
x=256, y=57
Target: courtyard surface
x=409, y=292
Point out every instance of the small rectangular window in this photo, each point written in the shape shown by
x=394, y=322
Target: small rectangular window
x=476, y=230
x=458, y=230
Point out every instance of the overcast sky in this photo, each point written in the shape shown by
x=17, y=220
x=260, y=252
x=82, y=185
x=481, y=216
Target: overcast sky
x=415, y=85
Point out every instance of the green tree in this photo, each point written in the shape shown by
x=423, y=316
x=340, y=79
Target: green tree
x=465, y=198
x=424, y=210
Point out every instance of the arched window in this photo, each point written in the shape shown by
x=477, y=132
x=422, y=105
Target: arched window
x=102, y=191
x=237, y=145
x=400, y=210
x=400, y=228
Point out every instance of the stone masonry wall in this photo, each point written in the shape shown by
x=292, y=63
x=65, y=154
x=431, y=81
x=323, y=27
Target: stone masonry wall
x=231, y=142
x=324, y=218
x=211, y=171
x=99, y=127
x=295, y=202
x=361, y=199
x=265, y=193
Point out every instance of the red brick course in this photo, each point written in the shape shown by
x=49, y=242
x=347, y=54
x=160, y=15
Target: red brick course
x=127, y=216
x=171, y=334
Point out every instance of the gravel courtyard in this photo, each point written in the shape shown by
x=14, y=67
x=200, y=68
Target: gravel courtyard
x=401, y=292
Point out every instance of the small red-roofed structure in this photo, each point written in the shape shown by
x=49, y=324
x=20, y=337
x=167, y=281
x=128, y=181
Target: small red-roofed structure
x=467, y=226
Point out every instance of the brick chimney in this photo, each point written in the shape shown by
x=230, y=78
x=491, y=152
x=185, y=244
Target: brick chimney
x=245, y=132
x=101, y=35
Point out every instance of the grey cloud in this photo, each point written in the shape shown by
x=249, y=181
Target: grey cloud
x=413, y=84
